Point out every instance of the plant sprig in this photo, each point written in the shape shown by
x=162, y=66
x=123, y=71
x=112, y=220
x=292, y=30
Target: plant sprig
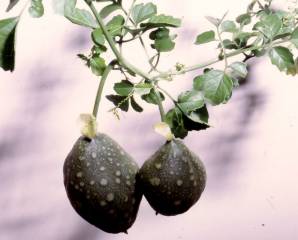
x=259, y=31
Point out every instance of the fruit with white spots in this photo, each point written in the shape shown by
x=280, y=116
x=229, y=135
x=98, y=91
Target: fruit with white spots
x=100, y=181
x=173, y=179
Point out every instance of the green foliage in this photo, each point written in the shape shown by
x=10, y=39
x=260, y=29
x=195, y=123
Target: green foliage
x=258, y=31
x=36, y=9
x=7, y=43
x=78, y=16
x=205, y=37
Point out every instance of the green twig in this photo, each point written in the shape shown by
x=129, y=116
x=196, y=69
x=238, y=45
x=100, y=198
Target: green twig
x=100, y=88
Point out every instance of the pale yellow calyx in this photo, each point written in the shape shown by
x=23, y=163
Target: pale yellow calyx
x=164, y=130
x=88, y=125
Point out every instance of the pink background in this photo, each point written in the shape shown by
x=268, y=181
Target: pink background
x=250, y=152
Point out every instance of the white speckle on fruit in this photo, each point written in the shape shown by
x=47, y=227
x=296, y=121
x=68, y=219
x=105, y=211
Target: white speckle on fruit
x=178, y=202
x=93, y=154
x=179, y=182
x=191, y=170
x=92, y=182
x=112, y=211
x=155, y=181
x=125, y=198
x=82, y=184
x=195, y=183
x=158, y=165
x=103, y=203
x=102, y=168
x=128, y=183
x=110, y=197
x=118, y=173
x=127, y=177
x=88, y=196
x=79, y=175
x=117, y=164
x=171, y=172
x=192, y=177
x=122, y=153
x=88, y=164
x=76, y=186
x=103, y=182
x=118, y=180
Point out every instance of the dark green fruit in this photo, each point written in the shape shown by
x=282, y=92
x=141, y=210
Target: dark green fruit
x=100, y=181
x=173, y=179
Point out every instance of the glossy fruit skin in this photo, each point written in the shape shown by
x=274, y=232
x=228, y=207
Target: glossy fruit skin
x=100, y=181
x=173, y=179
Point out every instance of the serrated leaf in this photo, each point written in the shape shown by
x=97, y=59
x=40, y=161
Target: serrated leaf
x=97, y=65
x=107, y=10
x=294, y=37
x=115, y=25
x=36, y=9
x=270, y=26
x=12, y=3
x=239, y=69
x=97, y=37
x=228, y=26
x=162, y=21
x=215, y=85
x=205, y=37
x=164, y=45
x=152, y=98
x=119, y=101
x=124, y=88
x=281, y=57
x=78, y=16
x=142, y=12
x=7, y=43
x=143, y=88
x=135, y=105
x=190, y=101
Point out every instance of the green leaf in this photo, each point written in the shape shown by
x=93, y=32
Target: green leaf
x=78, y=16
x=97, y=65
x=174, y=118
x=135, y=105
x=152, y=98
x=228, y=44
x=7, y=43
x=205, y=37
x=107, y=10
x=121, y=102
x=143, y=88
x=97, y=37
x=281, y=57
x=239, y=69
x=162, y=40
x=190, y=101
x=162, y=21
x=270, y=26
x=142, y=11
x=228, y=26
x=215, y=85
x=244, y=19
x=294, y=37
x=36, y=9
x=200, y=117
x=124, y=88
x=115, y=25
x=12, y=3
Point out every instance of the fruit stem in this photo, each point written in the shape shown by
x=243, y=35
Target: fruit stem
x=160, y=106
x=100, y=88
